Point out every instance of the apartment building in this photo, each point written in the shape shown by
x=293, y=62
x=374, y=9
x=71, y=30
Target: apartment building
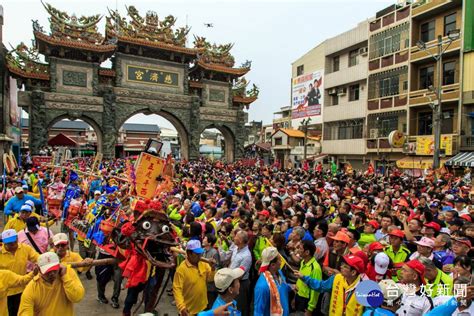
x=431, y=20
x=388, y=81
x=345, y=96
x=467, y=111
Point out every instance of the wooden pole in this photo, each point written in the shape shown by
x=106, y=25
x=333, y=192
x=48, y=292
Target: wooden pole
x=183, y=252
x=98, y=262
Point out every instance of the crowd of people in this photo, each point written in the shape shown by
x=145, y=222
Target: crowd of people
x=257, y=241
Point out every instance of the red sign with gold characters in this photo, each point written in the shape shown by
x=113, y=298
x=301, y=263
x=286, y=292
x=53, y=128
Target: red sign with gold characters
x=148, y=168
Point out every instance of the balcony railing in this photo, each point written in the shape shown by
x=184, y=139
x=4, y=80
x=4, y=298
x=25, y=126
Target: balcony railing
x=467, y=142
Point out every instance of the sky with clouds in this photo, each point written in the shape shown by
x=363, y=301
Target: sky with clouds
x=272, y=34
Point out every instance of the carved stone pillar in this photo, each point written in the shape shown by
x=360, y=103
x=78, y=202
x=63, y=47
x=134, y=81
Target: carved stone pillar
x=240, y=135
x=109, y=128
x=194, y=130
x=38, y=132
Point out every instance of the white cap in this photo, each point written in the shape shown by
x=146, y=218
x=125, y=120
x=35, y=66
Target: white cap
x=30, y=203
x=381, y=263
x=97, y=192
x=48, y=261
x=60, y=238
x=9, y=236
x=26, y=208
x=224, y=277
x=268, y=254
x=19, y=190
x=24, y=187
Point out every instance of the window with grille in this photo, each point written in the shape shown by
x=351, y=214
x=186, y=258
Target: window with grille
x=335, y=64
x=449, y=70
x=426, y=77
x=353, y=57
x=389, y=41
x=354, y=92
x=427, y=31
x=425, y=123
x=449, y=23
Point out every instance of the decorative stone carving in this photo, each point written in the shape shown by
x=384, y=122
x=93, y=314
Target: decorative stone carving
x=38, y=131
x=74, y=78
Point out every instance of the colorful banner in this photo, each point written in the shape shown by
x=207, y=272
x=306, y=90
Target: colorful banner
x=148, y=168
x=425, y=145
x=307, y=95
x=41, y=160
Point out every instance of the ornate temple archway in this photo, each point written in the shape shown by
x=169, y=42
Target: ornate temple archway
x=153, y=71
x=183, y=133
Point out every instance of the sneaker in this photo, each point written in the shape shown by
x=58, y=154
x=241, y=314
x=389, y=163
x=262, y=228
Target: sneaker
x=115, y=303
x=89, y=275
x=103, y=300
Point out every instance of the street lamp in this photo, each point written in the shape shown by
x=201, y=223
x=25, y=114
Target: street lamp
x=304, y=125
x=436, y=106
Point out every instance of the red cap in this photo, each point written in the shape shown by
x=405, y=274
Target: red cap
x=433, y=225
x=355, y=262
x=264, y=213
x=466, y=217
x=397, y=233
x=375, y=246
x=363, y=256
x=418, y=267
x=463, y=240
x=373, y=223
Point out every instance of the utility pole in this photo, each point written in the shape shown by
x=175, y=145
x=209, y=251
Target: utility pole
x=304, y=125
x=436, y=105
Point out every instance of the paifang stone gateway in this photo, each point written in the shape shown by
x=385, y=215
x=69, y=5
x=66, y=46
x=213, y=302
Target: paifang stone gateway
x=153, y=71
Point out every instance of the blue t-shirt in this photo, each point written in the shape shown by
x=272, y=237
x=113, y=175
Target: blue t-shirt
x=232, y=308
x=262, y=296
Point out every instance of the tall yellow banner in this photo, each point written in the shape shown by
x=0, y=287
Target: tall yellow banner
x=148, y=168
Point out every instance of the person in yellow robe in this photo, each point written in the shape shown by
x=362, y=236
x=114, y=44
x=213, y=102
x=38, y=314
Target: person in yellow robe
x=8, y=280
x=54, y=291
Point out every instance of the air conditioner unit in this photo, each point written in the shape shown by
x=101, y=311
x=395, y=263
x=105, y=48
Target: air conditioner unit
x=332, y=91
x=373, y=133
x=363, y=51
x=341, y=91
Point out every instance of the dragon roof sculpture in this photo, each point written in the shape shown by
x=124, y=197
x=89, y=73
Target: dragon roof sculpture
x=25, y=61
x=243, y=95
x=149, y=28
x=82, y=29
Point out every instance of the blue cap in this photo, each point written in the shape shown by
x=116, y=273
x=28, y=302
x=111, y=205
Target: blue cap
x=9, y=236
x=194, y=246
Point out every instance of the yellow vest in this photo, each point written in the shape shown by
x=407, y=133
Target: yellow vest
x=343, y=298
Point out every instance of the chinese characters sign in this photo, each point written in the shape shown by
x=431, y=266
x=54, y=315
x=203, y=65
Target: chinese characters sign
x=152, y=76
x=307, y=95
x=148, y=169
x=425, y=145
x=216, y=95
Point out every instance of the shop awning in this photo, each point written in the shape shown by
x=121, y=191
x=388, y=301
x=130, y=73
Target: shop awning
x=415, y=162
x=465, y=159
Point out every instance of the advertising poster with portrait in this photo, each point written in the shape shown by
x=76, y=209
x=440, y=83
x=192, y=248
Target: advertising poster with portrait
x=307, y=95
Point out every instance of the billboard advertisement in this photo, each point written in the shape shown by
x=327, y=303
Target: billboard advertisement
x=307, y=95
x=425, y=145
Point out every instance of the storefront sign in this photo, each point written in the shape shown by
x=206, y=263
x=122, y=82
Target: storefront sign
x=152, y=76
x=425, y=145
x=148, y=168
